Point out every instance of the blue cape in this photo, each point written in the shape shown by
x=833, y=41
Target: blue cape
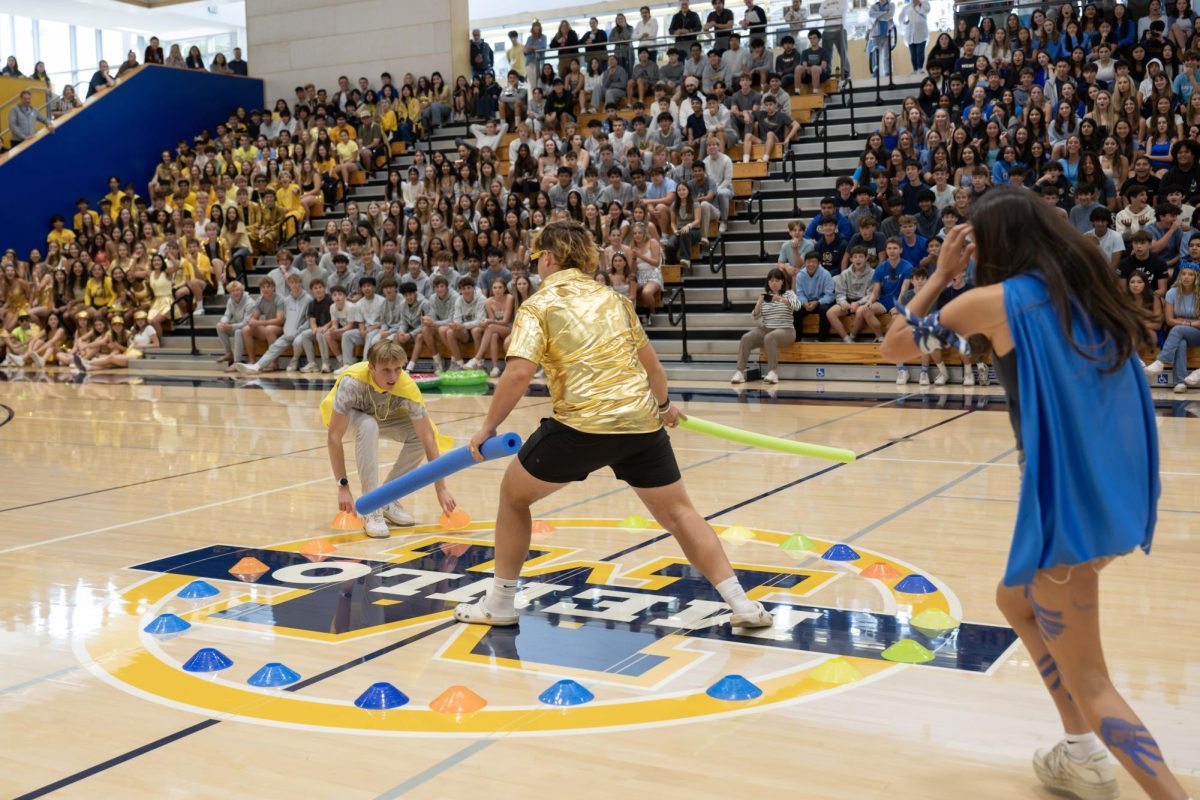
x=1090, y=486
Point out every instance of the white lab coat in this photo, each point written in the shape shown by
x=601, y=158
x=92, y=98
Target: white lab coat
x=913, y=21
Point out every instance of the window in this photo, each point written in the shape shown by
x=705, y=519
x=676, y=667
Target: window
x=112, y=48
x=5, y=36
x=54, y=47
x=23, y=43
x=85, y=53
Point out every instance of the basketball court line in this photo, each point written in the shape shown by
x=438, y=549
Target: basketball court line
x=204, y=725
x=198, y=471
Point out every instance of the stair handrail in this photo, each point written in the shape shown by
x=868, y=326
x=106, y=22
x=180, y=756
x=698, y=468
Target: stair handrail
x=679, y=320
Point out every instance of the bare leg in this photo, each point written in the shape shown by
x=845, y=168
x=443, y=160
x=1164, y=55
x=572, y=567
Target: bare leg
x=672, y=508
x=1065, y=604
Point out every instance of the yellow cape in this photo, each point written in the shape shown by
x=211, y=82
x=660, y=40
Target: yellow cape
x=405, y=387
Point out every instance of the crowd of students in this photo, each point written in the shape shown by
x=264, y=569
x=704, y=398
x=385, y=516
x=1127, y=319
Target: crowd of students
x=1093, y=110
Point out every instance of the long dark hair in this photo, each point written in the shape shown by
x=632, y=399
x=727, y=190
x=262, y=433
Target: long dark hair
x=1016, y=233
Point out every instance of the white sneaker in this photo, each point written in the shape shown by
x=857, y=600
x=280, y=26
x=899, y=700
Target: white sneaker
x=737, y=377
x=1181, y=388
x=985, y=375
x=395, y=514
x=771, y=377
x=457, y=366
x=968, y=375
x=247, y=369
x=924, y=379
x=759, y=618
x=943, y=375
x=472, y=364
x=437, y=364
x=848, y=339
x=1154, y=368
x=310, y=367
x=541, y=373
x=901, y=377
x=1088, y=780
x=495, y=373
x=746, y=157
x=293, y=366
x=410, y=366
x=374, y=525
x=1192, y=380
x=198, y=311
x=325, y=368
x=722, y=228
x=220, y=289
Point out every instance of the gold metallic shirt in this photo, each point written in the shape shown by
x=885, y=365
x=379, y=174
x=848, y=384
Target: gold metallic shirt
x=587, y=337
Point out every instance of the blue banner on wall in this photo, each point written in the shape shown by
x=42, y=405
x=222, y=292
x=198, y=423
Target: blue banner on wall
x=120, y=133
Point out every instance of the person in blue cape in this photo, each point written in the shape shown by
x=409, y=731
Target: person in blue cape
x=1088, y=447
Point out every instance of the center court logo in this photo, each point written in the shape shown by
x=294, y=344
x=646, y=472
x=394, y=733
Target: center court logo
x=647, y=635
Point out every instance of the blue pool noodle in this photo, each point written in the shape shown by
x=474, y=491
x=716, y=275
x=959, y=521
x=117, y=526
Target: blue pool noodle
x=501, y=446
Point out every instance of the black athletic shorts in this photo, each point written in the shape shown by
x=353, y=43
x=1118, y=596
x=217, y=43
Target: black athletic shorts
x=557, y=453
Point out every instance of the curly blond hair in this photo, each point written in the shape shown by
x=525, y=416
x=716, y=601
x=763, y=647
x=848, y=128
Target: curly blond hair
x=571, y=245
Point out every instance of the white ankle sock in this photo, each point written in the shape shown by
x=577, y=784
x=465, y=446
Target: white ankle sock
x=734, y=596
x=1082, y=746
x=502, y=598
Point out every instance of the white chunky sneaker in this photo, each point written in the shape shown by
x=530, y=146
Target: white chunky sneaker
x=1154, y=368
x=942, y=376
x=1193, y=378
x=395, y=514
x=771, y=377
x=901, y=377
x=985, y=375
x=1088, y=780
x=374, y=525
x=968, y=375
x=924, y=378
x=478, y=614
x=737, y=377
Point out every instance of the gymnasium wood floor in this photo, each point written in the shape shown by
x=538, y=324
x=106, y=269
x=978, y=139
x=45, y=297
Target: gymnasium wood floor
x=160, y=473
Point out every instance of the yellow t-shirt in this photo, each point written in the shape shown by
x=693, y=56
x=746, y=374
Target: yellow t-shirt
x=98, y=293
x=200, y=268
x=347, y=151
x=587, y=337
x=289, y=198
x=79, y=219
x=61, y=238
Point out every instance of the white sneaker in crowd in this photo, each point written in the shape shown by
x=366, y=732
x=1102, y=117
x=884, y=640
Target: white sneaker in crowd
x=1154, y=368
x=943, y=375
x=1181, y=388
x=311, y=366
x=1092, y=779
x=924, y=379
x=410, y=366
x=771, y=377
x=247, y=369
x=495, y=373
x=985, y=375
x=374, y=525
x=901, y=377
x=737, y=377
x=1192, y=380
x=968, y=374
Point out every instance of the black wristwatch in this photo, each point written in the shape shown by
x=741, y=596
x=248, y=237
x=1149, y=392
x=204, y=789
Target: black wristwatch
x=344, y=483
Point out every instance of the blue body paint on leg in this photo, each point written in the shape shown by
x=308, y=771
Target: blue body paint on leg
x=1050, y=622
x=1048, y=668
x=1134, y=741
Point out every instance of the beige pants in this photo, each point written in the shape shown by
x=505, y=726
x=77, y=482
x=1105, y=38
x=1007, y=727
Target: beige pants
x=770, y=340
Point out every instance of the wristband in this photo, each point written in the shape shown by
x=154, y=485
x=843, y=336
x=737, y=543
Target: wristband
x=664, y=405
x=930, y=335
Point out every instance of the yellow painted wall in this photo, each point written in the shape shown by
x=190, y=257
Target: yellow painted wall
x=10, y=91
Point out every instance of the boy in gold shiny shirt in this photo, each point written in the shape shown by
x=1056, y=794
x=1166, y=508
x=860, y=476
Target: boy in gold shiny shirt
x=610, y=402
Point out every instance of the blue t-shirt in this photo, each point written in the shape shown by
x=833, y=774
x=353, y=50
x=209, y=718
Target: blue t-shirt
x=1184, y=304
x=915, y=252
x=890, y=278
